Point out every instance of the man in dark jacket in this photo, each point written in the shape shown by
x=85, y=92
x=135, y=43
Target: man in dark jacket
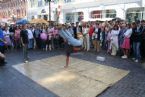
x=136, y=39
x=24, y=41
x=143, y=39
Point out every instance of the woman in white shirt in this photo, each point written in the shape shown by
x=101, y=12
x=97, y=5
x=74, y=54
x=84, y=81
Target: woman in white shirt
x=114, y=40
x=7, y=37
x=126, y=42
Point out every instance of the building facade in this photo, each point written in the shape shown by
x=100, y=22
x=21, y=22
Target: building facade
x=13, y=9
x=40, y=9
x=74, y=10
x=91, y=10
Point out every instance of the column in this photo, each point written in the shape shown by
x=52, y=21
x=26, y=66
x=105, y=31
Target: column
x=144, y=13
x=62, y=18
x=75, y=17
x=86, y=15
x=121, y=13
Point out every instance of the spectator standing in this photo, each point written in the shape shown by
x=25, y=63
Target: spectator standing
x=91, y=30
x=24, y=41
x=74, y=30
x=17, y=41
x=43, y=37
x=136, y=39
x=126, y=43
x=2, y=48
x=7, y=38
x=31, y=38
x=143, y=40
x=98, y=36
x=114, y=40
x=86, y=41
x=37, y=32
x=123, y=29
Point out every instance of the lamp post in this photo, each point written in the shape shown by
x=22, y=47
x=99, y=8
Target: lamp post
x=49, y=2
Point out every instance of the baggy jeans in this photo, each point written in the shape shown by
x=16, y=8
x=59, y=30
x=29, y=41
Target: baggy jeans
x=25, y=52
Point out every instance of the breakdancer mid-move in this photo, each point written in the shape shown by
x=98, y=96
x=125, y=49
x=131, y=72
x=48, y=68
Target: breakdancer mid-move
x=72, y=44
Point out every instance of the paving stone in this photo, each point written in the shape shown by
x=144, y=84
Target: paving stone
x=14, y=84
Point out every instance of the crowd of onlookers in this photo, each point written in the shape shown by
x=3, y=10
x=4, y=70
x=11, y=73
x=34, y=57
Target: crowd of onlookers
x=39, y=37
x=116, y=37
x=30, y=37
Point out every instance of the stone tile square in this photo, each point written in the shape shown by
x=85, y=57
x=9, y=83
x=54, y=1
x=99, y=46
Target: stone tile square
x=81, y=79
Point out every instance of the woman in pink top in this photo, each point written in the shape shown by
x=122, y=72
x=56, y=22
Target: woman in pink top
x=17, y=38
x=126, y=43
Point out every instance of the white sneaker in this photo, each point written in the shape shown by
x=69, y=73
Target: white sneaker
x=124, y=57
x=46, y=49
x=26, y=61
x=113, y=54
x=136, y=61
x=133, y=58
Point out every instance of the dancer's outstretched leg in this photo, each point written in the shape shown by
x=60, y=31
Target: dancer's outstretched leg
x=71, y=40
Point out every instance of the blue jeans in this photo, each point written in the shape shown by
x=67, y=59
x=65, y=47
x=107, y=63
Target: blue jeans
x=25, y=52
x=31, y=44
x=136, y=50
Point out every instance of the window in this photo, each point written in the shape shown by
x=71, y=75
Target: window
x=46, y=17
x=135, y=14
x=32, y=17
x=40, y=3
x=103, y=14
x=80, y=16
x=69, y=17
x=32, y=3
x=110, y=13
x=39, y=16
x=68, y=1
x=55, y=1
x=96, y=14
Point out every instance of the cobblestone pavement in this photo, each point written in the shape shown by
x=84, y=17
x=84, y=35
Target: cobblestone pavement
x=14, y=84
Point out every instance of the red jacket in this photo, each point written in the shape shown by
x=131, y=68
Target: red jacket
x=91, y=30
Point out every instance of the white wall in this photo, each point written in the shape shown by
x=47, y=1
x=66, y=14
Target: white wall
x=120, y=10
x=86, y=6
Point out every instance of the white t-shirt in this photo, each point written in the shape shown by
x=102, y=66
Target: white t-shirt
x=128, y=33
x=96, y=30
x=6, y=33
x=30, y=34
x=85, y=30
